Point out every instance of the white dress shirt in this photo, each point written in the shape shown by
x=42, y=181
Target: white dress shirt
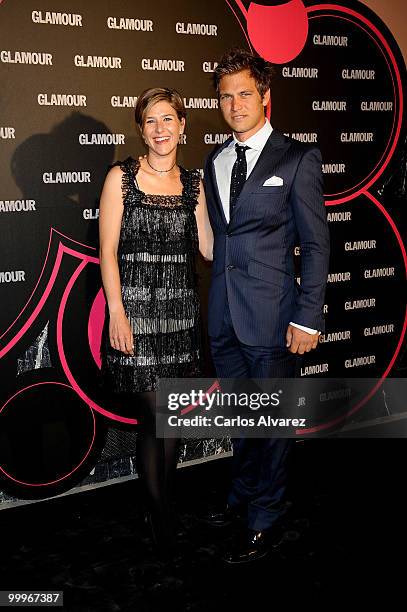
x=223, y=172
x=226, y=158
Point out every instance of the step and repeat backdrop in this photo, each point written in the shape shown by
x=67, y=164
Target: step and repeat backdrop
x=70, y=79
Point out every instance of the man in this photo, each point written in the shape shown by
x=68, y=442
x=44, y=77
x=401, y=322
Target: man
x=264, y=194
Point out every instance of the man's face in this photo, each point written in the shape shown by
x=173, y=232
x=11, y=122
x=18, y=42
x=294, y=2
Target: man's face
x=241, y=104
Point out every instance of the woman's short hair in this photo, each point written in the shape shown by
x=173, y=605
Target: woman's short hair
x=151, y=96
x=237, y=60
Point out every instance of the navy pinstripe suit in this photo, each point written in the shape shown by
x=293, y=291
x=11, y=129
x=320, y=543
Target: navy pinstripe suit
x=254, y=295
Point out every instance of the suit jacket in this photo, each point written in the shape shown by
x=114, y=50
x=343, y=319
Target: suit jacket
x=253, y=262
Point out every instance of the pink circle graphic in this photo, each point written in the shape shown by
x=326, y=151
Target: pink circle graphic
x=362, y=402
x=374, y=33
x=267, y=29
x=74, y=469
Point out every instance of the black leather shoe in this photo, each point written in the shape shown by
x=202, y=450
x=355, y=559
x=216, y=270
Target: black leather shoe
x=255, y=546
x=221, y=517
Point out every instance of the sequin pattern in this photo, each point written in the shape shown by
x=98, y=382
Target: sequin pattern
x=156, y=257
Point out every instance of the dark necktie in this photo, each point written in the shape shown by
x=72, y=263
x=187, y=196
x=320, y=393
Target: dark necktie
x=238, y=177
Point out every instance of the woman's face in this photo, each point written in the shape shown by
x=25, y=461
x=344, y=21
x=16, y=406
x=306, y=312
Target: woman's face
x=162, y=128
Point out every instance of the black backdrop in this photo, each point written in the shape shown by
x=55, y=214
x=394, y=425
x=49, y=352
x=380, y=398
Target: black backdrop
x=70, y=77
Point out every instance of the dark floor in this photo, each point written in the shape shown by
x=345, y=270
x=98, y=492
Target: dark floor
x=344, y=538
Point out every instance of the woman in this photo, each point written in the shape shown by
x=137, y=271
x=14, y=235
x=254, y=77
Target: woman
x=153, y=217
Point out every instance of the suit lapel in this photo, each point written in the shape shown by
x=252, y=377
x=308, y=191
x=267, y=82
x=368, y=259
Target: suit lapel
x=272, y=152
x=214, y=183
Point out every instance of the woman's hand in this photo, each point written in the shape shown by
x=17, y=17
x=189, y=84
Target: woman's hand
x=120, y=333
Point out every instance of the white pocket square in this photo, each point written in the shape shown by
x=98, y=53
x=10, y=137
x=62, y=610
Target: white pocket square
x=273, y=181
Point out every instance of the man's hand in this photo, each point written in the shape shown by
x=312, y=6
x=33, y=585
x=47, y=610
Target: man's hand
x=299, y=341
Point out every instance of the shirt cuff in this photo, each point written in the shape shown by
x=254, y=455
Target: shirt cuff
x=306, y=329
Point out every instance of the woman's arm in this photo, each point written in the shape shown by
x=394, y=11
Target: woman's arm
x=205, y=234
x=110, y=218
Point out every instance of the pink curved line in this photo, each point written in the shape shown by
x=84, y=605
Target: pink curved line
x=63, y=359
x=51, y=235
x=30, y=484
x=29, y=299
x=52, y=232
x=86, y=258
x=241, y=6
x=238, y=20
x=39, y=306
x=353, y=195
x=391, y=223
x=399, y=344
x=61, y=250
x=362, y=402
x=87, y=246
x=211, y=389
x=380, y=36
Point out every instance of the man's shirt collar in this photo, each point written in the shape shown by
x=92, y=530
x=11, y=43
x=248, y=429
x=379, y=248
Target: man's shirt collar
x=258, y=140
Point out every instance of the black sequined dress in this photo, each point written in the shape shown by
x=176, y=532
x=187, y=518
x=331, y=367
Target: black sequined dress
x=156, y=257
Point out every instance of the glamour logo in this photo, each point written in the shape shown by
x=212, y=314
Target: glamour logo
x=358, y=74
x=345, y=215
x=90, y=214
x=7, y=133
x=17, y=205
x=318, y=368
x=378, y=330
x=66, y=177
x=333, y=168
x=12, y=276
x=330, y=40
x=101, y=139
x=360, y=245
x=170, y=65
x=334, y=395
x=378, y=272
x=304, y=136
x=54, y=99
x=126, y=23
x=339, y=277
x=26, y=57
x=357, y=362
x=357, y=136
x=300, y=73
x=336, y=336
x=329, y=105
x=123, y=101
x=201, y=102
x=66, y=19
x=376, y=105
x=200, y=29
x=358, y=304
x=98, y=61
x=209, y=66
x=213, y=139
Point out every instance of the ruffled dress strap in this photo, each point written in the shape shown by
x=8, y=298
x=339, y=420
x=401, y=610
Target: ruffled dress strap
x=129, y=168
x=191, y=185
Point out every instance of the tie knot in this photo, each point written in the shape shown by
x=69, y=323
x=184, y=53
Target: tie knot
x=241, y=150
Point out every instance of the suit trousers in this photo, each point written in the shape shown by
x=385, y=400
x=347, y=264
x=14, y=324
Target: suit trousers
x=260, y=465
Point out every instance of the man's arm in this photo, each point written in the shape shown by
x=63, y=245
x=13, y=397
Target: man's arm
x=312, y=228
